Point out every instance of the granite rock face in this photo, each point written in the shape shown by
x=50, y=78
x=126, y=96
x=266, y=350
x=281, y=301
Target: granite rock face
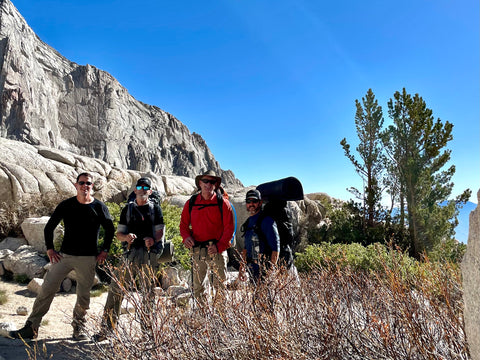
x=35, y=172
x=47, y=100
x=471, y=283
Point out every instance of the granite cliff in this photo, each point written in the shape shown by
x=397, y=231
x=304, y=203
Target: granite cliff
x=47, y=100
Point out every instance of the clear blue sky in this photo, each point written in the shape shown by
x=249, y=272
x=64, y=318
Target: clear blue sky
x=271, y=85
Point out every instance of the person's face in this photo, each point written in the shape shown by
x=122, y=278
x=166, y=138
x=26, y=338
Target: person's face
x=253, y=206
x=84, y=185
x=207, y=184
x=143, y=191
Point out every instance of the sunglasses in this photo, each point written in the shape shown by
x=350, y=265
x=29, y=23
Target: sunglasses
x=140, y=187
x=250, y=201
x=206, y=181
x=88, y=183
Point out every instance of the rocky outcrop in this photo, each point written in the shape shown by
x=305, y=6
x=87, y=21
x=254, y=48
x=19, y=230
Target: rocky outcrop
x=47, y=100
x=471, y=283
x=25, y=261
x=28, y=171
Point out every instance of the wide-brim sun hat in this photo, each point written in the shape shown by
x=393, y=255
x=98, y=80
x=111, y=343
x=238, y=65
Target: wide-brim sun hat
x=209, y=173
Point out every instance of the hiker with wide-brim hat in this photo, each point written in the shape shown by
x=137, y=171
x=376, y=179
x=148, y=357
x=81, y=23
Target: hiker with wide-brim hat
x=210, y=174
x=206, y=227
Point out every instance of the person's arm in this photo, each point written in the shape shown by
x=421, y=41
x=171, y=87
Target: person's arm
x=123, y=234
x=269, y=228
x=48, y=232
x=159, y=225
x=52, y=223
x=185, y=230
x=107, y=224
x=158, y=229
x=228, y=226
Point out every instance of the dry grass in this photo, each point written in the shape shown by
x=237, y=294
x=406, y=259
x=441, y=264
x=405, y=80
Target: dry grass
x=12, y=214
x=334, y=313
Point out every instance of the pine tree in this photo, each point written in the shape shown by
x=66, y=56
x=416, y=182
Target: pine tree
x=416, y=145
x=369, y=122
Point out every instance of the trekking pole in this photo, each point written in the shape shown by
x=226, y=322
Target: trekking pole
x=210, y=243
x=191, y=272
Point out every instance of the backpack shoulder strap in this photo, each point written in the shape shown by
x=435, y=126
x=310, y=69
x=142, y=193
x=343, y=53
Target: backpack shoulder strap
x=220, y=202
x=258, y=224
x=130, y=205
x=193, y=198
x=191, y=202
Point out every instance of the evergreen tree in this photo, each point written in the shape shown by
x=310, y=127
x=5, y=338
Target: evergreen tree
x=416, y=145
x=370, y=166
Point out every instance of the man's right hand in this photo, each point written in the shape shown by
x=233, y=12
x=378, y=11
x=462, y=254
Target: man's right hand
x=189, y=242
x=54, y=256
x=129, y=238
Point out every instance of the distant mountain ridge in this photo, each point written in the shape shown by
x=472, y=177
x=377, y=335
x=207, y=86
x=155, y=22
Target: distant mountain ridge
x=50, y=101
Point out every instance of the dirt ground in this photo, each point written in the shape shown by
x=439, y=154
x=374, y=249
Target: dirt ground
x=55, y=333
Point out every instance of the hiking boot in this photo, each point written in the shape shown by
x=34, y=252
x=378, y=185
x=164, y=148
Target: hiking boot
x=79, y=334
x=99, y=337
x=27, y=332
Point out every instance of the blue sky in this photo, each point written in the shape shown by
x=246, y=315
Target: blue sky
x=271, y=85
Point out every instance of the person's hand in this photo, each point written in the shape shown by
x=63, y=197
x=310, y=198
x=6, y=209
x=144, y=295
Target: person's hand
x=212, y=249
x=129, y=238
x=102, y=257
x=189, y=242
x=149, y=242
x=54, y=256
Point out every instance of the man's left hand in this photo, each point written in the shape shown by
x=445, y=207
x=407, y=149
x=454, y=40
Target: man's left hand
x=149, y=242
x=102, y=257
x=212, y=249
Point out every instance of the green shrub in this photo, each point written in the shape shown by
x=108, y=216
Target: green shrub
x=450, y=250
x=171, y=217
x=355, y=256
x=21, y=278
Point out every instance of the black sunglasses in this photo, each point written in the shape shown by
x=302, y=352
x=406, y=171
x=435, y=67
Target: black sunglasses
x=140, y=187
x=88, y=183
x=206, y=181
x=249, y=201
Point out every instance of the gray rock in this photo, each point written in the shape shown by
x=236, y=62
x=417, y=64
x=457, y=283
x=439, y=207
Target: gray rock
x=22, y=310
x=32, y=229
x=169, y=277
x=25, y=261
x=11, y=243
x=183, y=300
x=471, y=283
x=35, y=285
x=176, y=290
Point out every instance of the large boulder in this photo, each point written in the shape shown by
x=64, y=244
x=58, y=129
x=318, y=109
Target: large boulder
x=25, y=261
x=12, y=244
x=471, y=283
x=32, y=229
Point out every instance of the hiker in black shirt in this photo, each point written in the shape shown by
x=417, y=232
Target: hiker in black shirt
x=82, y=216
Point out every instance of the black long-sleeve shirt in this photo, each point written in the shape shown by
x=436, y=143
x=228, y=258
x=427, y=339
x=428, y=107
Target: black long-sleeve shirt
x=82, y=226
